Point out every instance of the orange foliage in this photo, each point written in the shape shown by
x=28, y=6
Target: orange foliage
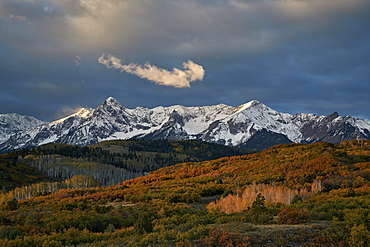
x=244, y=199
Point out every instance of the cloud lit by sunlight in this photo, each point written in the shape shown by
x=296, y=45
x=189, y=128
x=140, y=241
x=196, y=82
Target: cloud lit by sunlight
x=175, y=78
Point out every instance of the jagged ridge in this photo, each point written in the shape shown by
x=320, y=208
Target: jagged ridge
x=12, y=123
x=252, y=125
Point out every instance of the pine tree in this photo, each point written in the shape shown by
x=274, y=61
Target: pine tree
x=143, y=223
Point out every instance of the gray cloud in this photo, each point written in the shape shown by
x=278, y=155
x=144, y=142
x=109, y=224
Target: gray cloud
x=293, y=55
x=175, y=78
x=18, y=17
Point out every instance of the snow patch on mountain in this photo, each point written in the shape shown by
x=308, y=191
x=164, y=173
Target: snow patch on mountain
x=11, y=123
x=83, y=113
x=222, y=124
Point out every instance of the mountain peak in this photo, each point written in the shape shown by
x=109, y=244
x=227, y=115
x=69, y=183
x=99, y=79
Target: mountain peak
x=82, y=112
x=111, y=101
x=111, y=106
x=252, y=103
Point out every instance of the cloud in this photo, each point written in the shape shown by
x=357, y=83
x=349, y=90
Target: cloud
x=277, y=51
x=66, y=111
x=78, y=61
x=18, y=17
x=175, y=78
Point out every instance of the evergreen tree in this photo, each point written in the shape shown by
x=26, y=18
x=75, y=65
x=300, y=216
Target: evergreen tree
x=143, y=223
x=259, y=204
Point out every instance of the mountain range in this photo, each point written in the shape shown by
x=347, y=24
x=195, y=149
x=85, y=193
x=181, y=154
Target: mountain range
x=252, y=125
x=12, y=123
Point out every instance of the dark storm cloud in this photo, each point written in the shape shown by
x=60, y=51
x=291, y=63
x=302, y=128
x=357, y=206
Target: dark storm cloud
x=292, y=55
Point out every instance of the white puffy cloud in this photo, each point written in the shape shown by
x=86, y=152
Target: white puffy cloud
x=175, y=78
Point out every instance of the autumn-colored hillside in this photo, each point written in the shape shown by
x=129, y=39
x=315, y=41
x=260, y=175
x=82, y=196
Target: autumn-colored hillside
x=288, y=195
x=295, y=166
x=109, y=162
x=14, y=174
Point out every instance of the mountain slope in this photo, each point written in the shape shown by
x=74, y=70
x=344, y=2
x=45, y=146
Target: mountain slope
x=112, y=162
x=251, y=125
x=188, y=204
x=14, y=174
x=12, y=123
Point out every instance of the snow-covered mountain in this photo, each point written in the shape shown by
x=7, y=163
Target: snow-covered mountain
x=251, y=125
x=12, y=123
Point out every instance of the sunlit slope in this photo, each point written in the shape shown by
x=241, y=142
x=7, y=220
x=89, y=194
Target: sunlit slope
x=198, y=204
x=295, y=166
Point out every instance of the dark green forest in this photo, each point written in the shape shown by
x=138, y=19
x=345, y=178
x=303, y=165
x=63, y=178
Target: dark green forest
x=137, y=155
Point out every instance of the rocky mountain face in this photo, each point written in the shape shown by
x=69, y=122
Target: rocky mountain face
x=12, y=123
x=252, y=125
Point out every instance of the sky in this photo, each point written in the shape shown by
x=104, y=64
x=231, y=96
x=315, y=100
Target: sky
x=295, y=56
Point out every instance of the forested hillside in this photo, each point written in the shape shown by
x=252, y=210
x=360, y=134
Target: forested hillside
x=288, y=195
x=137, y=155
x=109, y=162
x=14, y=174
